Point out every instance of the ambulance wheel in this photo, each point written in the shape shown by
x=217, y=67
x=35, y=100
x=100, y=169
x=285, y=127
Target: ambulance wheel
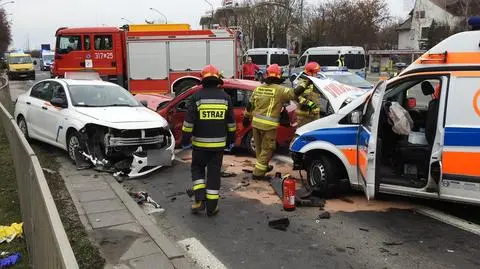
x=321, y=177
x=250, y=143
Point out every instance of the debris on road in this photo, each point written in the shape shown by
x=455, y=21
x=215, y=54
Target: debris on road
x=303, y=197
x=10, y=260
x=250, y=171
x=392, y=243
x=173, y=199
x=49, y=171
x=279, y=224
x=364, y=229
x=388, y=252
x=8, y=233
x=324, y=215
x=228, y=174
x=450, y=251
x=346, y=199
x=242, y=184
x=142, y=197
x=176, y=194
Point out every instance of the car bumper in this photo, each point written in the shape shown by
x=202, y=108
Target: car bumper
x=22, y=74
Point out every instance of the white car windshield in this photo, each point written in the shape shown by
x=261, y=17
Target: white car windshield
x=101, y=96
x=350, y=79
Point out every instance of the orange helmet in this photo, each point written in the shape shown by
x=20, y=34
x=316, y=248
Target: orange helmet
x=312, y=68
x=274, y=71
x=210, y=71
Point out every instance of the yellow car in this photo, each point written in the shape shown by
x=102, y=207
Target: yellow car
x=20, y=65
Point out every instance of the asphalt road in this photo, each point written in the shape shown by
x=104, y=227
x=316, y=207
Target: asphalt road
x=359, y=234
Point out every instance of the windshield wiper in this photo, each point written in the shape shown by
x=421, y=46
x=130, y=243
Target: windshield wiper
x=116, y=105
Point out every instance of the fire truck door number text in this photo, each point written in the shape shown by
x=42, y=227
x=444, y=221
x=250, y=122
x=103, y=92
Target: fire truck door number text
x=104, y=55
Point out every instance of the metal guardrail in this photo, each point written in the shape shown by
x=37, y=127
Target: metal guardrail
x=47, y=242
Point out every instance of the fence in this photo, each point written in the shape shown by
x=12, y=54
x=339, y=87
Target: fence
x=47, y=241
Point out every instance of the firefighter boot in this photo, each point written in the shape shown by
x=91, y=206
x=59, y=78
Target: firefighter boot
x=198, y=206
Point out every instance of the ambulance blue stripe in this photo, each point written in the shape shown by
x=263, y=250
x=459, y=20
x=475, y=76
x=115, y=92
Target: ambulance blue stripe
x=337, y=136
x=462, y=137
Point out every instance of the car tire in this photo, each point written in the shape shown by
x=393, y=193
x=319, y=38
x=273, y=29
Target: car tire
x=321, y=177
x=22, y=125
x=73, y=141
x=249, y=143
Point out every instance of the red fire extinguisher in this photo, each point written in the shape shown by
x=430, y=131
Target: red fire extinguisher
x=288, y=187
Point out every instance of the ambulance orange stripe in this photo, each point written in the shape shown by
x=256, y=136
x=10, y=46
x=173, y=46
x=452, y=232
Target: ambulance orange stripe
x=466, y=73
x=351, y=155
x=452, y=58
x=461, y=163
x=362, y=162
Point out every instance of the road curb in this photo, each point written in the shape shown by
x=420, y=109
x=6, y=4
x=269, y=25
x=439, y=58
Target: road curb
x=168, y=247
x=449, y=219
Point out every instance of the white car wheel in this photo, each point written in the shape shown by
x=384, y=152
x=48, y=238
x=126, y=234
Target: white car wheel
x=22, y=124
x=73, y=143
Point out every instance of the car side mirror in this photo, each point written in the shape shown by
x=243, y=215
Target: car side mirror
x=144, y=103
x=59, y=102
x=356, y=117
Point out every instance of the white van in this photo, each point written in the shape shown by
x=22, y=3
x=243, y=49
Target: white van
x=436, y=155
x=264, y=57
x=328, y=55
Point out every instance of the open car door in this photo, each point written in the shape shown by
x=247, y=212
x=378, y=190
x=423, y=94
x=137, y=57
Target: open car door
x=367, y=140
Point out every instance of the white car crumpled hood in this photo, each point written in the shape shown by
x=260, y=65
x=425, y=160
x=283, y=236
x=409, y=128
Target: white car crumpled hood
x=124, y=117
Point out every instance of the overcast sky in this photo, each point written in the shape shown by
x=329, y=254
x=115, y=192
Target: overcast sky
x=37, y=20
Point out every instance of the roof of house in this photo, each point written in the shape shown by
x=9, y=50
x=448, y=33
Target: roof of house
x=406, y=25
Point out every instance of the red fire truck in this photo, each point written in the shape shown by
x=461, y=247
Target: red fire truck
x=151, y=58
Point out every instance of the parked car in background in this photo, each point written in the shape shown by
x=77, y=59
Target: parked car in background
x=98, y=123
x=174, y=109
x=342, y=75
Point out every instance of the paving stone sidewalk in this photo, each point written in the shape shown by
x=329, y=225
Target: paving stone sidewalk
x=127, y=237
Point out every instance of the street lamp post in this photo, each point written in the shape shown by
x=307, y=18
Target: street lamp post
x=211, y=19
x=127, y=20
x=9, y=2
x=161, y=14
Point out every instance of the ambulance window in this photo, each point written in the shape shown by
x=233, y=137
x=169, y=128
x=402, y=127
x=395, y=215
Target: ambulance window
x=68, y=43
x=301, y=62
x=103, y=42
x=86, y=42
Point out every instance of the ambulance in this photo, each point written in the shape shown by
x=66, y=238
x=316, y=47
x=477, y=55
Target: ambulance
x=417, y=134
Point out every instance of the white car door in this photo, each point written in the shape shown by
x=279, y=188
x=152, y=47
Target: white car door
x=55, y=116
x=41, y=94
x=367, y=141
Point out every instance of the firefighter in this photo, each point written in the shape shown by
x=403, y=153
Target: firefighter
x=210, y=126
x=308, y=108
x=341, y=61
x=263, y=112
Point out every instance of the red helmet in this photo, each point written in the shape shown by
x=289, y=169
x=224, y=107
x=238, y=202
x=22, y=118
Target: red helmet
x=274, y=71
x=312, y=68
x=210, y=71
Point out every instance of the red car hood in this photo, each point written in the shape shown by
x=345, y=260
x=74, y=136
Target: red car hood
x=154, y=99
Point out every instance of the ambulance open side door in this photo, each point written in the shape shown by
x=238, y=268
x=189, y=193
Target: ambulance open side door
x=367, y=140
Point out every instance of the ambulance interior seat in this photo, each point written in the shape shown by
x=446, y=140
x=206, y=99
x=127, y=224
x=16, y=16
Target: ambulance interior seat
x=418, y=154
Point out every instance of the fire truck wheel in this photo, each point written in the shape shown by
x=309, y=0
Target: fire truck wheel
x=183, y=86
x=322, y=178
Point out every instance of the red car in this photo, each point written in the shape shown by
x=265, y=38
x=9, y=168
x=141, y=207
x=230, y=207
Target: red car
x=173, y=110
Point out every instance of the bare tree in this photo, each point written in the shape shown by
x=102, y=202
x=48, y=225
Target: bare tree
x=5, y=33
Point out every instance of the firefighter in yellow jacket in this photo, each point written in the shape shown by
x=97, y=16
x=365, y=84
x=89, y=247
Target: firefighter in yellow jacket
x=308, y=108
x=263, y=112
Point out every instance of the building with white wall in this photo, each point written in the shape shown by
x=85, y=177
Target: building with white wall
x=413, y=32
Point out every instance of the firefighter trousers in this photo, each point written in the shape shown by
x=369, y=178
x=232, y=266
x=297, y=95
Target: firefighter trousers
x=207, y=188
x=265, y=144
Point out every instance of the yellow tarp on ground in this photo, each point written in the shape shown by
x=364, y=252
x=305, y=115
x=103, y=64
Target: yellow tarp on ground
x=8, y=233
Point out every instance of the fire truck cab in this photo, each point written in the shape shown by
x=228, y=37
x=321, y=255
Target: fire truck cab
x=147, y=58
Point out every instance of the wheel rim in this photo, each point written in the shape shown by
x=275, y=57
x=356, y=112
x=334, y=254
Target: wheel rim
x=23, y=127
x=73, y=143
x=317, y=175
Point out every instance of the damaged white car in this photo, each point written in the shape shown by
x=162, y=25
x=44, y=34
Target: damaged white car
x=99, y=123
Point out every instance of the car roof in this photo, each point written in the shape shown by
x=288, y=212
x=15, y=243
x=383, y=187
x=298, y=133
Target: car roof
x=80, y=81
x=241, y=83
